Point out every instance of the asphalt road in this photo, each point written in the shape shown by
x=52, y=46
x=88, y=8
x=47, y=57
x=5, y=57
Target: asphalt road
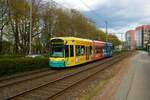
x=136, y=83
x=140, y=86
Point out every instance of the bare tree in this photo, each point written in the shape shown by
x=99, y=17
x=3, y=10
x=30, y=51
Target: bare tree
x=3, y=19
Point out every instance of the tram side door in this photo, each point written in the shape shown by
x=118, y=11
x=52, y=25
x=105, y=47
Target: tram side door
x=71, y=55
x=87, y=53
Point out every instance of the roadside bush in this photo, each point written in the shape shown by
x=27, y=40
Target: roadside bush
x=16, y=65
x=116, y=51
x=10, y=56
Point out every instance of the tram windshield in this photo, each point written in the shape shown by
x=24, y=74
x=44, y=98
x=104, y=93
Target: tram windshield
x=57, y=48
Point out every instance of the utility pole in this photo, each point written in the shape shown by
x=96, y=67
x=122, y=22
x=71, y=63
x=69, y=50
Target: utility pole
x=30, y=40
x=106, y=31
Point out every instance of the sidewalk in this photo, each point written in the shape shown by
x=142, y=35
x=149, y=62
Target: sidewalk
x=136, y=83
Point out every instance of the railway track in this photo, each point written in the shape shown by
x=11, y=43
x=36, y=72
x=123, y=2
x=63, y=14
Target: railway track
x=23, y=78
x=93, y=73
x=9, y=82
x=64, y=80
x=5, y=78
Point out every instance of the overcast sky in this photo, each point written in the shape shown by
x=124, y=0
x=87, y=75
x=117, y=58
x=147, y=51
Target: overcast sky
x=121, y=15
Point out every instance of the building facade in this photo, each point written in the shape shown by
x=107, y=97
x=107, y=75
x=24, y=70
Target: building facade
x=130, y=38
x=139, y=37
x=142, y=36
x=146, y=35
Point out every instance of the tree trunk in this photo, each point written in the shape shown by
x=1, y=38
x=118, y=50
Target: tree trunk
x=16, y=35
x=1, y=40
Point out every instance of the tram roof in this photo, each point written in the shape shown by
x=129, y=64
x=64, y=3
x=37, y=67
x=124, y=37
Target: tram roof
x=108, y=43
x=96, y=41
x=72, y=38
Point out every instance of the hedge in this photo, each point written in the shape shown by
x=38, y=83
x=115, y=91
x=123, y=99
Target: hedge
x=11, y=56
x=10, y=66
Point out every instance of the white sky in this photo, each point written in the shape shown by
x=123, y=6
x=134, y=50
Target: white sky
x=124, y=14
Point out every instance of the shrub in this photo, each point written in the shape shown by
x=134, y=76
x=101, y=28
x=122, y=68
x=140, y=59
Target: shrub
x=16, y=65
x=10, y=56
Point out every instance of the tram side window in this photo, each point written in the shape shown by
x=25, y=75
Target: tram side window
x=88, y=50
x=91, y=50
x=98, y=50
x=71, y=51
x=78, y=50
x=66, y=51
x=82, y=50
x=108, y=49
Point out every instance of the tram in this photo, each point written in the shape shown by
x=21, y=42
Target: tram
x=72, y=51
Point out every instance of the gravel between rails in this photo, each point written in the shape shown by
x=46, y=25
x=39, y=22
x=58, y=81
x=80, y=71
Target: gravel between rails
x=20, y=79
x=61, y=93
x=4, y=78
x=49, y=88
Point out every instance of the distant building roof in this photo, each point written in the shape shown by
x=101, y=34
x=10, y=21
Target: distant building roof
x=145, y=27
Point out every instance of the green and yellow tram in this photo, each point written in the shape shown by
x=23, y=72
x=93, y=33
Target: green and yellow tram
x=70, y=51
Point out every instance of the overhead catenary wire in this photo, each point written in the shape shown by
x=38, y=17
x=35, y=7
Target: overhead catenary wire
x=105, y=21
x=71, y=24
x=57, y=5
x=87, y=6
x=98, y=16
x=91, y=9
